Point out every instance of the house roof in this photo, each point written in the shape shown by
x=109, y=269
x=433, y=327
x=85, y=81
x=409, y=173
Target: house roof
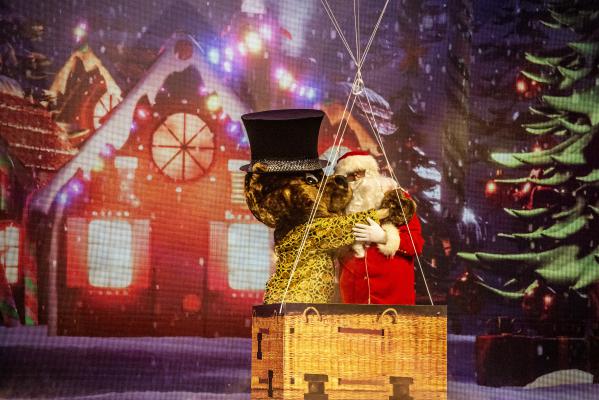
x=31, y=136
x=90, y=62
x=180, y=52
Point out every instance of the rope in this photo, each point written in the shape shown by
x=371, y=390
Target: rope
x=337, y=139
x=357, y=26
x=337, y=27
x=394, y=176
x=376, y=28
x=367, y=274
x=320, y=192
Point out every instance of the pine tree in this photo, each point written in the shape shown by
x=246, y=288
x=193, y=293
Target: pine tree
x=19, y=57
x=560, y=251
x=499, y=49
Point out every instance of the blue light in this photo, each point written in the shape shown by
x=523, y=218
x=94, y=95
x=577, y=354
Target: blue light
x=232, y=127
x=63, y=198
x=311, y=93
x=213, y=56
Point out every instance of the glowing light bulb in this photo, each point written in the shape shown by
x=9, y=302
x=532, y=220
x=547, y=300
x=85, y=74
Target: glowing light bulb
x=63, y=198
x=213, y=56
x=232, y=127
x=286, y=80
x=213, y=103
x=490, y=188
x=75, y=187
x=266, y=32
x=80, y=31
x=229, y=54
x=142, y=113
x=227, y=66
x=521, y=86
x=242, y=49
x=253, y=42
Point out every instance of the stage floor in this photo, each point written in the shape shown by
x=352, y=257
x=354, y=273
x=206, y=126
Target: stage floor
x=35, y=366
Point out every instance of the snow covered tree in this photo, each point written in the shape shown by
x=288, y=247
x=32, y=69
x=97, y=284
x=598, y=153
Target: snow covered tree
x=558, y=259
x=500, y=95
x=19, y=58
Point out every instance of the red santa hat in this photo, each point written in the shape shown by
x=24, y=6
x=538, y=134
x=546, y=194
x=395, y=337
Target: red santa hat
x=353, y=161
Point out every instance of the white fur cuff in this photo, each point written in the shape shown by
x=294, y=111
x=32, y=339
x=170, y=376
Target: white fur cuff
x=392, y=244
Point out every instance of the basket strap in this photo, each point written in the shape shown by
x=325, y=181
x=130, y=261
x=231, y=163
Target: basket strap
x=268, y=380
x=393, y=312
x=312, y=308
x=376, y=332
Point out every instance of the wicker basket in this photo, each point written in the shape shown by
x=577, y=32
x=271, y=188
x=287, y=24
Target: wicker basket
x=343, y=351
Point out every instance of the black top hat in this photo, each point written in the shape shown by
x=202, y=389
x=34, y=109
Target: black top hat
x=284, y=140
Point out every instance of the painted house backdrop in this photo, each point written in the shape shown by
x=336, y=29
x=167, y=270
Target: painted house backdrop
x=124, y=202
x=121, y=199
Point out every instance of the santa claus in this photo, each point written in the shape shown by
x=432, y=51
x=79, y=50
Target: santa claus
x=380, y=267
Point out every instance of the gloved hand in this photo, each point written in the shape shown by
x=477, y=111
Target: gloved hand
x=372, y=232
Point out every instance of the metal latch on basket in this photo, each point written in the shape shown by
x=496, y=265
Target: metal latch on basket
x=401, y=387
x=316, y=387
x=259, y=339
x=269, y=381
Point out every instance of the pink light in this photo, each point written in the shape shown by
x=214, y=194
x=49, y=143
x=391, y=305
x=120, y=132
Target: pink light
x=227, y=66
x=279, y=72
x=266, y=32
x=107, y=151
x=75, y=186
x=229, y=54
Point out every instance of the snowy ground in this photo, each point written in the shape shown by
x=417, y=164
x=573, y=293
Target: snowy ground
x=461, y=383
x=35, y=366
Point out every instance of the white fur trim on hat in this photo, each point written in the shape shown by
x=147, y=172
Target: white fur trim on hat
x=355, y=163
x=392, y=244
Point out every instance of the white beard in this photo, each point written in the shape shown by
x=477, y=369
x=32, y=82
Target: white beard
x=368, y=193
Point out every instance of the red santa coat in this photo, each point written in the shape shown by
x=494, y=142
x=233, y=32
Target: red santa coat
x=386, y=271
